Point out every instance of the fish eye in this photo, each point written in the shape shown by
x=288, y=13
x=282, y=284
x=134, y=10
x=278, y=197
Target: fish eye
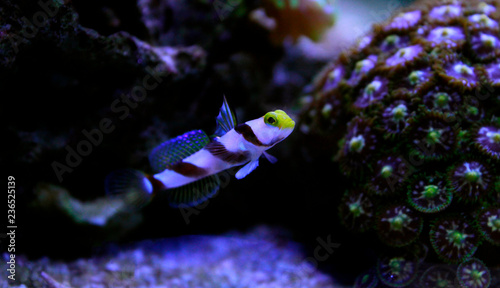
x=271, y=119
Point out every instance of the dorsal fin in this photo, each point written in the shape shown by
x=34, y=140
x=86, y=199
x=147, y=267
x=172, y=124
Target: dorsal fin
x=194, y=193
x=176, y=149
x=226, y=120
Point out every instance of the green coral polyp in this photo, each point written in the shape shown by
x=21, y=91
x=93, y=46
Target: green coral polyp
x=391, y=40
x=495, y=137
x=386, y=171
x=397, y=271
x=494, y=223
x=430, y=191
x=398, y=222
x=488, y=40
x=429, y=194
x=399, y=112
x=442, y=99
x=456, y=238
x=356, y=144
x=363, y=65
x=472, y=176
x=389, y=173
x=356, y=209
x=472, y=110
x=453, y=238
x=433, y=136
x=372, y=87
x=439, y=276
x=416, y=77
x=472, y=273
x=398, y=225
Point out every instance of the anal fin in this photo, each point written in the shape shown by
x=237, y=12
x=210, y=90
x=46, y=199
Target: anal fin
x=194, y=193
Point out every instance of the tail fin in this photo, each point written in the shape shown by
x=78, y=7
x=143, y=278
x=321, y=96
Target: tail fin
x=133, y=185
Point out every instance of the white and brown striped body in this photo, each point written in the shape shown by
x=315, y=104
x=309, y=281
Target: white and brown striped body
x=243, y=144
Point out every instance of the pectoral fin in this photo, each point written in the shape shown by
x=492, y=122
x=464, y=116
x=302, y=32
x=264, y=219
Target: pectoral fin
x=270, y=158
x=249, y=167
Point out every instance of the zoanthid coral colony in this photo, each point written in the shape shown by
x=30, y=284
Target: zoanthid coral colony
x=415, y=108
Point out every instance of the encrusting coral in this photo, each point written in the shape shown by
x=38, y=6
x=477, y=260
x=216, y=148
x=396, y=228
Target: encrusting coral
x=414, y=108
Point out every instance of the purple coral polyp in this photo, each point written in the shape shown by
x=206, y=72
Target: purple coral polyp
x=471, y=180
x=488, y=139
x=362, y=68
x=360, y=137
x=394, y=41
x=445, y=12
x=442, y=101
x=462, y=74
x=433, y=137
x=418, y=76
x=446, y=35
x=404, y=56
x=484, y=45
x=486, y=9
x=334, y=77
x=372, y=93
x=489, y=224
x=493, y=73
x=420, y=80
x=390, y=173
x=359, y=144
x=395, y=117
x=482, y=21
x=405, y=21
x=364, y=42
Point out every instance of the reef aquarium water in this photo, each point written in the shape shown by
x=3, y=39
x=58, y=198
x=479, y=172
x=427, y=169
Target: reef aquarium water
x=260, y=143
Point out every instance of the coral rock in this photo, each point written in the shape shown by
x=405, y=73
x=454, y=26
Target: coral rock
x=419, y=130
